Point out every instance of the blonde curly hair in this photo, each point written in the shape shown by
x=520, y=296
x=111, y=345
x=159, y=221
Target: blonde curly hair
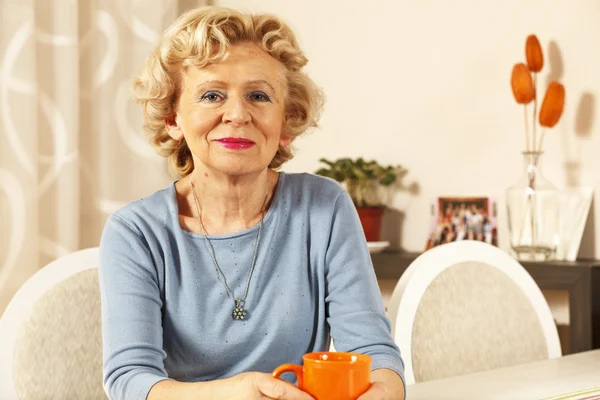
x=203, y=36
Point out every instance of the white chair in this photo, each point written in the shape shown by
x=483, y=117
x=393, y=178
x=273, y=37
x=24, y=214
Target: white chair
x=50, y=333
x=468, y=306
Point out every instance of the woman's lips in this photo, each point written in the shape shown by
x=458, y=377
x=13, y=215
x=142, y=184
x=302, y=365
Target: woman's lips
x=236, y=143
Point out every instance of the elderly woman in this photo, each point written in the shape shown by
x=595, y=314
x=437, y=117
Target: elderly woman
x=234, y=269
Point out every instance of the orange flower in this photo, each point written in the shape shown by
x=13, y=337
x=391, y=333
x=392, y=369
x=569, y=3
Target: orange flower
x=522, y=84
x=553, y=104
x=533, y=53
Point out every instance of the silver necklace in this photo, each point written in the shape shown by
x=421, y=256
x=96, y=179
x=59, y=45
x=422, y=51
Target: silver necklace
x=239, y=313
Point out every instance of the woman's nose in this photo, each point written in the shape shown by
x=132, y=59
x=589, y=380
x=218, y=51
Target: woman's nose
x=236, y=111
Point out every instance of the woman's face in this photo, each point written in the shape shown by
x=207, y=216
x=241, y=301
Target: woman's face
x=231, y=113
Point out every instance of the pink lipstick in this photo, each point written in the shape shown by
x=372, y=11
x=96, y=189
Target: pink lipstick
x=236, y=143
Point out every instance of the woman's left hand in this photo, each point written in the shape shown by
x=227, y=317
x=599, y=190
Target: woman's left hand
x=385, y=385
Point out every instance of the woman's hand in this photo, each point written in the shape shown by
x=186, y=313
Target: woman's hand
x=257, y=385
x=386, y=385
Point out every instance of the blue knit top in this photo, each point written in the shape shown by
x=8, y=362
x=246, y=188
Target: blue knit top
x=166, y=313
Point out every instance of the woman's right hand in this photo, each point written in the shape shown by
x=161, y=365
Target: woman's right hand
x=258, y=385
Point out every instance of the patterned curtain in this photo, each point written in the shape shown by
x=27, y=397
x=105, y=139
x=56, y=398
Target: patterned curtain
x=71, y=146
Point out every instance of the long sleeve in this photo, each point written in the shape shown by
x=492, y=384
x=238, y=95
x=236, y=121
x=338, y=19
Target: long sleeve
x=131, y=313
x=355, y=308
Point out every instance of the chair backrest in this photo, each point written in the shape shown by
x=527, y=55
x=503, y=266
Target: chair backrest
x=50, y=333
x=468, y=306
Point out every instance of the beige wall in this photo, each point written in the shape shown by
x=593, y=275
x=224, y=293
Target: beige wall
x=426, y=84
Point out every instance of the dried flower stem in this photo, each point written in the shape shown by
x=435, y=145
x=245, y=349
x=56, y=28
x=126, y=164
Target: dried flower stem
x=531, y=211
x=539, y=149
x=526, y=127
x=535, y=98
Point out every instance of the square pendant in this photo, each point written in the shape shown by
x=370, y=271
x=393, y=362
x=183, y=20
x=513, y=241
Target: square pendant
x=238, y=313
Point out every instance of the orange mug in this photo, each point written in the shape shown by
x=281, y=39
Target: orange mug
x=331, y=375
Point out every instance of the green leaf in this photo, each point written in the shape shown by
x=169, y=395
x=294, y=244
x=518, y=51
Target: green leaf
x=359, y=172
x=339, y=176
x=324, y=172
x=388, y=179
x=326, y=161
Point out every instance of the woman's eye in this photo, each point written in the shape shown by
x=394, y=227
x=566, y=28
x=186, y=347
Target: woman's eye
x=259, y=96
x=211, y=97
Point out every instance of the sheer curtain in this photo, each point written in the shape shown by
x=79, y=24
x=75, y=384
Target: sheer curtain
x=71, y=146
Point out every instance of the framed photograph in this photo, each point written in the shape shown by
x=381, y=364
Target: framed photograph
x=462, y=218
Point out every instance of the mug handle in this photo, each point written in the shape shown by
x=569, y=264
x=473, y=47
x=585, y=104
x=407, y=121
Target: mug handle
x=296, y=369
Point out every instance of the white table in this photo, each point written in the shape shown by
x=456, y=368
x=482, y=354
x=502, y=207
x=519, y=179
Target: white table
x=531, y=381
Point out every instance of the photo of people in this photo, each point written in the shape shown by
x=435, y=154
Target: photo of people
x=462, y=218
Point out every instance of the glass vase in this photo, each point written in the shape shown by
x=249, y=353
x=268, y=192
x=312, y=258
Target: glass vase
x=533, y=213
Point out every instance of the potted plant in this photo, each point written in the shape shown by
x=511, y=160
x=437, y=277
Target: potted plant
x=362, y=179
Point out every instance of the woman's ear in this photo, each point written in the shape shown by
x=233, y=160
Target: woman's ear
x=173, y=128
x=284, y=140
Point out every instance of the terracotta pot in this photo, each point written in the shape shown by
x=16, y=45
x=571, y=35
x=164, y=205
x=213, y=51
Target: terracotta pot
x=370, y=218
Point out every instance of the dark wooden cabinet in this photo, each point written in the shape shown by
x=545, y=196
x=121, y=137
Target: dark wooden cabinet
x=580, y=279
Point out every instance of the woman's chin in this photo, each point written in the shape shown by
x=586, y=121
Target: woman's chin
x=238, y=169
x=239, y=164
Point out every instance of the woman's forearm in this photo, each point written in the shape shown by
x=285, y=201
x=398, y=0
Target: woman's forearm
x=247, y=385
x=170, y=389
x=392, y=381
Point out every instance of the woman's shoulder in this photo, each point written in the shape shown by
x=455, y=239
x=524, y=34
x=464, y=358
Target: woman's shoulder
x=148, y=212
x=314, y=185
x=304, y=193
